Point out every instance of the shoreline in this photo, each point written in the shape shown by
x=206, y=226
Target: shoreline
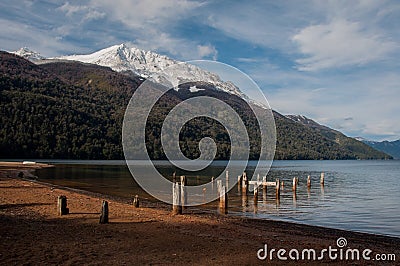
x=139, y=232
x=193, y=210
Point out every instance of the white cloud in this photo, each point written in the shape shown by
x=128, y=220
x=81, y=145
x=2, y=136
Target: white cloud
x=71, y=9
x=340, y=43
x=207, y=51
x=16, y=35
x=94, y=14
x=140, y=13
x=84, y=12
x=152, y=25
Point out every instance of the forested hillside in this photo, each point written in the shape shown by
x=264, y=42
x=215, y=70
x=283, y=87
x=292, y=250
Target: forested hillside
x=75, y=111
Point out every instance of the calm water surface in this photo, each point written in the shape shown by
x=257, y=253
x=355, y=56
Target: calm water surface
x=358, y=195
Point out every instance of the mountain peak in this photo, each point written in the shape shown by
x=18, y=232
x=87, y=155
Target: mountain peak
x=29, y=54
x=153, y=66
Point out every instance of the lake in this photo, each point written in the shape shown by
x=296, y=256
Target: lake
x=359, y=196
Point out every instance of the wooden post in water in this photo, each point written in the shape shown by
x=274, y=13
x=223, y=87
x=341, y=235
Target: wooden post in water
x=308, y=181
x=244, y=183
x=239, y=182
x=183, y=191
x=278, y=188
x=176, y=199
x=264, y=183
x=212, y=183
x=294, y=187
x=282, y=183
x=104, y=212
x=219, y=187
x=135, y=202
x=223, y=200
x=62, y=205
x=322, y=181
x=255, y=195
x=174, y=177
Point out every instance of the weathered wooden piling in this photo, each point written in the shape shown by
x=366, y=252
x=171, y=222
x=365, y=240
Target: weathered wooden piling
x=294, y=186
x=174, y=177
x=223, y=200
x=255, y=195
x=264, y=183
x=322, y=180
x=183, y=191
x=308, y=181
x=176, y=199
x=62, y=205
x=104, y=212
x=135, y=201
x=278, y=188
x=239, y=182
x=244, y=183
x=219, y=186
x=212, y=183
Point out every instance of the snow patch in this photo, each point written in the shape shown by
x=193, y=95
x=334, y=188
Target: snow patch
x=193, y=89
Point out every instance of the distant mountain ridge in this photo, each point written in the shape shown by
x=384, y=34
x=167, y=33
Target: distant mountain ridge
x=73, y=110
x=356, y=146
x=390, y=147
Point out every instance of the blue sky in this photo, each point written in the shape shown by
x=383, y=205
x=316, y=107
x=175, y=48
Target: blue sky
x=334, y=61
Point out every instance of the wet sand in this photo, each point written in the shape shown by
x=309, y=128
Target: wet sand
x=31, y=232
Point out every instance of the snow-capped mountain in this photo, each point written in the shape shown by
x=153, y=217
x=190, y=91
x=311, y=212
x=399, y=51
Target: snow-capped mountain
x=29, y=54
x=153, y=66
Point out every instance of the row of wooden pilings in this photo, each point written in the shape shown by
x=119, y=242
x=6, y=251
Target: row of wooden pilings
x=179, y=194
x=62, y=208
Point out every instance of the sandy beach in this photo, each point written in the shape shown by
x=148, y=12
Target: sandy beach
x=33, y=233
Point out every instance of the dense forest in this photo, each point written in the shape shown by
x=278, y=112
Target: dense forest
x=70, y=110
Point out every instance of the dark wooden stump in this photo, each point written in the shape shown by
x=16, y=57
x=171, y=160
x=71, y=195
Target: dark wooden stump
x=135, y=202
x=104, y=212
x=62, y=205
